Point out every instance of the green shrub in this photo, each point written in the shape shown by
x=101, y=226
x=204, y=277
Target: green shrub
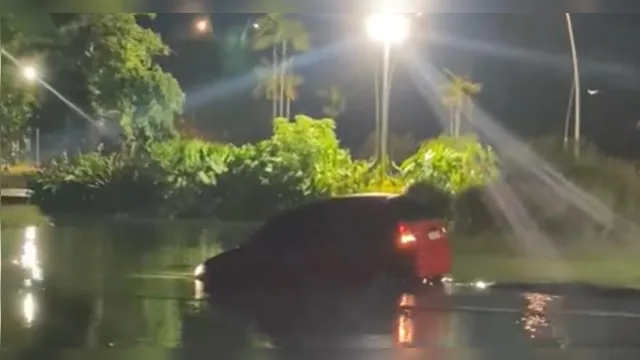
x=302, y=161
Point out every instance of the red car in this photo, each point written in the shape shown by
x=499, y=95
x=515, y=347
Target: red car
x=338, y=242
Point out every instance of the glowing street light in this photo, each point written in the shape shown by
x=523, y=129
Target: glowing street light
x=202, y=26
x=30, y=73
x=388, y=29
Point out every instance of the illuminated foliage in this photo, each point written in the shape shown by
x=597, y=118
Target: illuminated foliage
x=106, y=63
x=301, y=161
x=17, y=97
x=452, y=164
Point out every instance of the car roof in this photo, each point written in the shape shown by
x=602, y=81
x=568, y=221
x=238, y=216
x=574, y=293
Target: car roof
x=352, y=199
x=367, y=199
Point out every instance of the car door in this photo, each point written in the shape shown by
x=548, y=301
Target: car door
x=350, y=246
x=285, y=248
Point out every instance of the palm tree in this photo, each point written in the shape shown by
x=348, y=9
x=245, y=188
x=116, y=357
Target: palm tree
x=335, y=101
x=456, y=96
x=267, y=87
x=272, y=89
x=283, y=35
x=289, y=88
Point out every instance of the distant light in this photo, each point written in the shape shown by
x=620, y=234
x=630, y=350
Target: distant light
x=202, y=25
x=481, y=285
x=256, y=25
x=30, y=73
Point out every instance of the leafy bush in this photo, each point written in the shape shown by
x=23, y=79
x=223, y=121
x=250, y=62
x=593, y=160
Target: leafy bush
x=455, y=165
x=302, y=161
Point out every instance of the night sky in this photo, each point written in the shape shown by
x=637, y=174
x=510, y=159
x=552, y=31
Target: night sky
x=522, y=60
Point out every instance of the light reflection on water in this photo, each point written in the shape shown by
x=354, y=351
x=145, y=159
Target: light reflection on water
x=28, y=259
x=540, y=319
x=29, y=262
x=29, y=308
x=88, y=294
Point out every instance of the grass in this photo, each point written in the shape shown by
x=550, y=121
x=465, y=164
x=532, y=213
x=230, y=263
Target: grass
x=18, y=216
x=603, y=264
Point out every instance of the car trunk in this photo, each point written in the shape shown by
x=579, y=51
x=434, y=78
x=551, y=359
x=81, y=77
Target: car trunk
x=422, y=235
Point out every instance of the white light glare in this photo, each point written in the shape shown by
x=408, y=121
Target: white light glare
x=388, y=28
x=199, y=270
x=202, y=25
x=29, y=308
x=30, y=73
x=30, y=233
x=29, y=258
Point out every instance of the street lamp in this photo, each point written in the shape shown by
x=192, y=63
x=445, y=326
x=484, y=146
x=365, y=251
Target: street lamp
x=30, y=73
x=388, y=29
x=576, y=84
x=202, y=25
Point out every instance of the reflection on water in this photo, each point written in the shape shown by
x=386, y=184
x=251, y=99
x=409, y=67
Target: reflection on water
x=28, y=259
x=405, y=330
x=130, y=284
x=536, y=319
x=30, y=267
x=424, y=320
x=28, y=308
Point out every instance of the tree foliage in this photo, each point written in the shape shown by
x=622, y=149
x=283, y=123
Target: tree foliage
x=275, y=29
x=17, y=97
x=107, y=63
x=301, y=161
x=454, y=165
x=285, y=36
x=456, y=96
x=335, y=102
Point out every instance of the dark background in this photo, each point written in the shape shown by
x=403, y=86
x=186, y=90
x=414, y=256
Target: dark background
x=522, y=60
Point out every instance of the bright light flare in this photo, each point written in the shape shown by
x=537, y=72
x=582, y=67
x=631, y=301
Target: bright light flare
x=30, y=233
x=30, y=73
x=202, y=25
x=199, y=270
x=388, y=28
x=29, y=308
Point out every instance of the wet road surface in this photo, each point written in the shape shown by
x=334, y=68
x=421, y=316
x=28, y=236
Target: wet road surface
x=109, y=289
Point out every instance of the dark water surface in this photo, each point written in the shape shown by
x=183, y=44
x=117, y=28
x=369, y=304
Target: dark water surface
x=126, y=285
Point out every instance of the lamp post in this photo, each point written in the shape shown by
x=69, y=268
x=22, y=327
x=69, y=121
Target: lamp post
x=576, y=85
x=388, y=29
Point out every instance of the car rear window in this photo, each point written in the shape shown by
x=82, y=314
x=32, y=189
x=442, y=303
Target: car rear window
x=407, y=209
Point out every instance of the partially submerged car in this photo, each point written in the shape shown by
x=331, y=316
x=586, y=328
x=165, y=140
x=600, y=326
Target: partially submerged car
x=337, y=242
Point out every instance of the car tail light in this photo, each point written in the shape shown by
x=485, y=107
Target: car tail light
x=405, y=236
